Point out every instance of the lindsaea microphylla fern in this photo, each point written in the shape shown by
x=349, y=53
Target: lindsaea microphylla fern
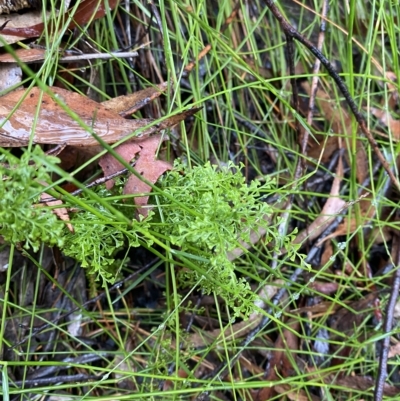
x=205, y=211
x=202, y=212
x=21, y=183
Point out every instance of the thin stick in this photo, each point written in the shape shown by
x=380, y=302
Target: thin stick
x=315, y=79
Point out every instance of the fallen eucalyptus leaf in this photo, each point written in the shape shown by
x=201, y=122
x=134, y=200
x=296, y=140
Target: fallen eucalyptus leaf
x=55, y=126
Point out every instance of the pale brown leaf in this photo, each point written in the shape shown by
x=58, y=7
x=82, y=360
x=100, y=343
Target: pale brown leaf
x=25, y=55
x=126, y=105
x=394, y=350
x=55, y=126
x=329, y=212
x=147, y=166
x=110, y=165
x=19, y=22
x=387, y=120
x=9, y=75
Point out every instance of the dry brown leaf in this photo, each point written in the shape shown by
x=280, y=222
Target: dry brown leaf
x=359, y=383
x=150, y=169
x=280, y=363
x=329, y=212
x=19, y=23
x=394, y=350
x=295, y=395
x=326, y=254
x=321, y=309
x=30, y=25
x=387, y=120
x=129, y=104
x=350, y=225
x=324, y=287
x=36, y=55
x=110, y=165
x=25, y=55
x=9, y=75
x=55, y=126
x=147, y=166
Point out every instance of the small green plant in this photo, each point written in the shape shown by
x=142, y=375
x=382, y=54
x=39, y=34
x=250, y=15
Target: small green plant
x=21, y=184
x=204, y=213
x=207, y=211
x=94, y=244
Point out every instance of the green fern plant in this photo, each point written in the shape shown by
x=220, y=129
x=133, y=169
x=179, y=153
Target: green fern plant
x=21, y=184
x=207, y=211
x=203, y=212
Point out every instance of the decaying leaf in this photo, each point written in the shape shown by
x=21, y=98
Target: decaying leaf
x=147, y=166
x=30, y=25
x=332, y=207
x=9, y=75
x=295, y=394
x=18, y=24
x=9, y=6
x=25, y=55
x=111, y=165
x=387, y=120
x=351, y=224
x=65, y=56
x=55, y=126
x=135, y=100
x=383, y=114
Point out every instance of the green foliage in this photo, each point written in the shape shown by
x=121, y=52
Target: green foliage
x=211, y=209
x=94, y=244
x=21, y=183
x=206, y=211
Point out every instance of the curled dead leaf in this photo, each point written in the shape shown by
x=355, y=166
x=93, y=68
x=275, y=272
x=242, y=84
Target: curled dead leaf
x=126, y=105
x=55, y=125
x=31, y=25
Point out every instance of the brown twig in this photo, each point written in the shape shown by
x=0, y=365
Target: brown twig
x=315, y=79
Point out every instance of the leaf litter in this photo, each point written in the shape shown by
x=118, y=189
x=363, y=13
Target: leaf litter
x=55, y=126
